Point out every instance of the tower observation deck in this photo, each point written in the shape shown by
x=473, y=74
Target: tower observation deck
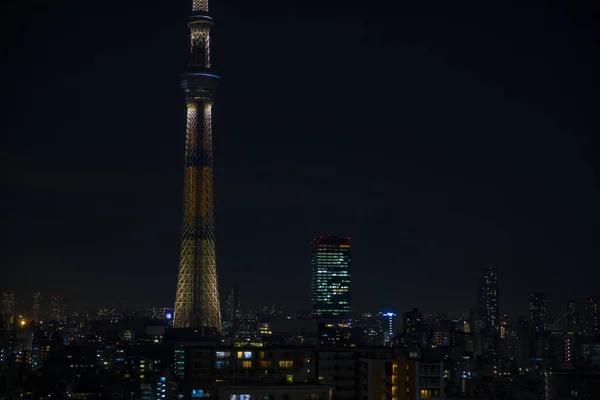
x=197, y=299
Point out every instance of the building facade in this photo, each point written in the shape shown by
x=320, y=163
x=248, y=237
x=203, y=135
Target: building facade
x=488, y=313
x=413, y=327
x=537, y=313
x=60, y=308
x=590, y=322
x=331, y=278
x=571, y=317
x=36, y=307
x=8, y=308
x=400, y=378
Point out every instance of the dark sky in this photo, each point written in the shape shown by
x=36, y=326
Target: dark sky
x=442, y=138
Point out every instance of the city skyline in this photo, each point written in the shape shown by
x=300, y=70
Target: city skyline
x=479, y=161
x=577, y=308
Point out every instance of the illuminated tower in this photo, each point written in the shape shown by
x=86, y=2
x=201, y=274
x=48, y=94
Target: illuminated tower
x=197, y=298
x=330, y=286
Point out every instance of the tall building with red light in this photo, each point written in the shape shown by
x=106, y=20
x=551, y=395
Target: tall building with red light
x=331, y=278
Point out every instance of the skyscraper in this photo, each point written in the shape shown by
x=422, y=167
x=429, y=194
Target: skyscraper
x=413, y=327
x=590, y=322
x=537, y=312
x=571, y=317
x=36, y=306
x=487, y=301
x=330, y=284
x=8, y=308
x=197, y=298
x=234, y=304
x=60, y=308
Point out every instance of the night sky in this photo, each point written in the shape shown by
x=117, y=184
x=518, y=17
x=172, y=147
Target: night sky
x=443, y=139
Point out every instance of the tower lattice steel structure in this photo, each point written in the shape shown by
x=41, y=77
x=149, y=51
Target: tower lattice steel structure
x=197, y=299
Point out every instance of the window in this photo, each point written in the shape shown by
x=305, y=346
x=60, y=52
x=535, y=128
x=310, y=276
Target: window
x=223, y=354
x=244, y=354
x=246, y=364
x=265, y=364
x=286, y=364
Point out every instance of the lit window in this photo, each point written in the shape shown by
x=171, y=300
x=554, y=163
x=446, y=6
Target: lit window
x=286, y=364
x=246, y=364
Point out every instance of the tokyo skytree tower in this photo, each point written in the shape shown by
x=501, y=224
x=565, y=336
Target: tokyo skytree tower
x=197, y=299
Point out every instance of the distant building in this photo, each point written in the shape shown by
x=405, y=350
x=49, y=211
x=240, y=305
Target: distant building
x=487, y=301
x=388, y=320
x=59, y=308
x=330, y=285
x=270, y=311
x=8, y=308
x=413, y=327
x=37, y=307
x=233, y=308
x=158, y=313
x=537, y=313
x=590, y=311
x=334, y=334
x=371, y=328
x=571, y=317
